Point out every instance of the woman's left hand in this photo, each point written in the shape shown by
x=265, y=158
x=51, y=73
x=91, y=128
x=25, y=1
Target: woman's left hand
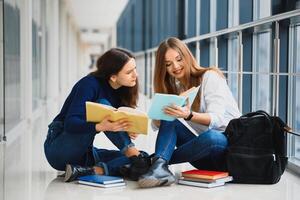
x=132, y=135
x=177, y=111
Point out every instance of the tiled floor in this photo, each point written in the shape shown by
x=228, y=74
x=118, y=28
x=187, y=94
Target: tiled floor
x=28, y=176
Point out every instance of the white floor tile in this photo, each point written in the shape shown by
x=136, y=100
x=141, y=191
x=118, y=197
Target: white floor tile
x=29, y=176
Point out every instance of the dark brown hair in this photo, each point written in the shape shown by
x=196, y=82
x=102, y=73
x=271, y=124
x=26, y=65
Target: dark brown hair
x=164, y=83
x=111, y=63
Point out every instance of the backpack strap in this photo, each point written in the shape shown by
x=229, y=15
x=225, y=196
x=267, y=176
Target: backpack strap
x=285, y=127
x=260, y=113
x=289, y=130
x=264, y=113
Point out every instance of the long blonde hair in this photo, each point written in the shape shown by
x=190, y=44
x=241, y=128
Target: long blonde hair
x=164, y=83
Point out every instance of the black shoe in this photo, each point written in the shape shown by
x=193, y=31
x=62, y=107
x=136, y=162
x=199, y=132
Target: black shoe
x=75, y=171
x=139, y=165
x=158, y=175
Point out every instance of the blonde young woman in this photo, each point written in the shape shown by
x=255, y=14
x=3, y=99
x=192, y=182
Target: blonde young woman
x=176, y=70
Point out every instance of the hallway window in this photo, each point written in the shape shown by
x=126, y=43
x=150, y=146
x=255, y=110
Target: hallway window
x=213, y=23
x=262, y=54
x=12, y=64
x=233, y=20
x=1, y=80
x=36, y=53
x=204, y=29
x=295, y=87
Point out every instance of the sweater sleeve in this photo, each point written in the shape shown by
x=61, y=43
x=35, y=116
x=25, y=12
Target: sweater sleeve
x=214, y=92
x=75, y=121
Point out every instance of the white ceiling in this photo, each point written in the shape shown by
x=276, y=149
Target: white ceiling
x=99, y=15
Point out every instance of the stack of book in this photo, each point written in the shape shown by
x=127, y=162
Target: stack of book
x=204, y=178
x=102, y=181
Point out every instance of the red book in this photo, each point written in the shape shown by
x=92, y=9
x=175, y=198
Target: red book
x=204, y=174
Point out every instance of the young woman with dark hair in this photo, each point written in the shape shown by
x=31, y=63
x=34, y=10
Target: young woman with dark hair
x=176, y=71
x=69, y=143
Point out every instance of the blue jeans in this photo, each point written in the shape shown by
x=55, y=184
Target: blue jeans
x=205, y=151
x=63, y=148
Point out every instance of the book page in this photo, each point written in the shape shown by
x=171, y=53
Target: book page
x=185, y=93
x=191, y=94
x=96, y=112
x=138, y=119
x=131, y=110
x=160, y=101
x=107, y=106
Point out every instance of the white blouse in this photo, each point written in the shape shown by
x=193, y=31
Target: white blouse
x=216, y=100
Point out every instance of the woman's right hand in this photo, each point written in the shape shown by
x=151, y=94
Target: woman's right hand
x=107, y=125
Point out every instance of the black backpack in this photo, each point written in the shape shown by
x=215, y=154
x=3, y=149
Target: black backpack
x=256, y=148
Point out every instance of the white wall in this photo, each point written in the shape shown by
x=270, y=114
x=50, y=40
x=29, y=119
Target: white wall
x=63, y=57
x=72, y=54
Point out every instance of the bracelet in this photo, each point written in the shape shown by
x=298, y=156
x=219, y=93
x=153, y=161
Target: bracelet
x=189, y=117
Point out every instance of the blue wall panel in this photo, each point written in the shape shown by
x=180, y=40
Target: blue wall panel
x=222, y=23
x=148, y=21
x=191, y=24
x=204, y=28
x=246, y=15
x=155, y=22
x=191, y=19
x=222, y=14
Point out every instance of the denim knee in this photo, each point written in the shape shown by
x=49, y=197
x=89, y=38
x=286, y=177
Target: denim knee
x=120, y=139
x=214, y=138
x=164, y=123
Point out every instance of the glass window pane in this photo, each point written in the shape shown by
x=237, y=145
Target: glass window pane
x=233, y=20
x=1, y=106
x=262, y=64
x=261, y=91
x=296, y=91
x=297, y=117
x=261, y=9
x=233, y=65
x=36, y=53
x=12, y=63
x=1, y=74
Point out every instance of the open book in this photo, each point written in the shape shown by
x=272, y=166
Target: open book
x=95, y=112
x=160, y=101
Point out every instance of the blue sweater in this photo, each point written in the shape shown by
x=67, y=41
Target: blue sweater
x=73, y=112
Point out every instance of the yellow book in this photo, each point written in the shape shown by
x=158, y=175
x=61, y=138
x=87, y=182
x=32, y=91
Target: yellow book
x=95, y=112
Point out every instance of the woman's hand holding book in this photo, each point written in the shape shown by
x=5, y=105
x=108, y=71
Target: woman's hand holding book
x=107, y=125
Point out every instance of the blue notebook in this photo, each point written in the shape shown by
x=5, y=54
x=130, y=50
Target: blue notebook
x=160, y=101
x=101, y=181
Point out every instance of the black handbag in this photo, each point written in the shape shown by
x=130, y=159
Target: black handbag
x=256, y=148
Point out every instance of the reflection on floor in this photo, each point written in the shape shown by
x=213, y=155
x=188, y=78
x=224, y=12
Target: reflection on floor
x=28, y=176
